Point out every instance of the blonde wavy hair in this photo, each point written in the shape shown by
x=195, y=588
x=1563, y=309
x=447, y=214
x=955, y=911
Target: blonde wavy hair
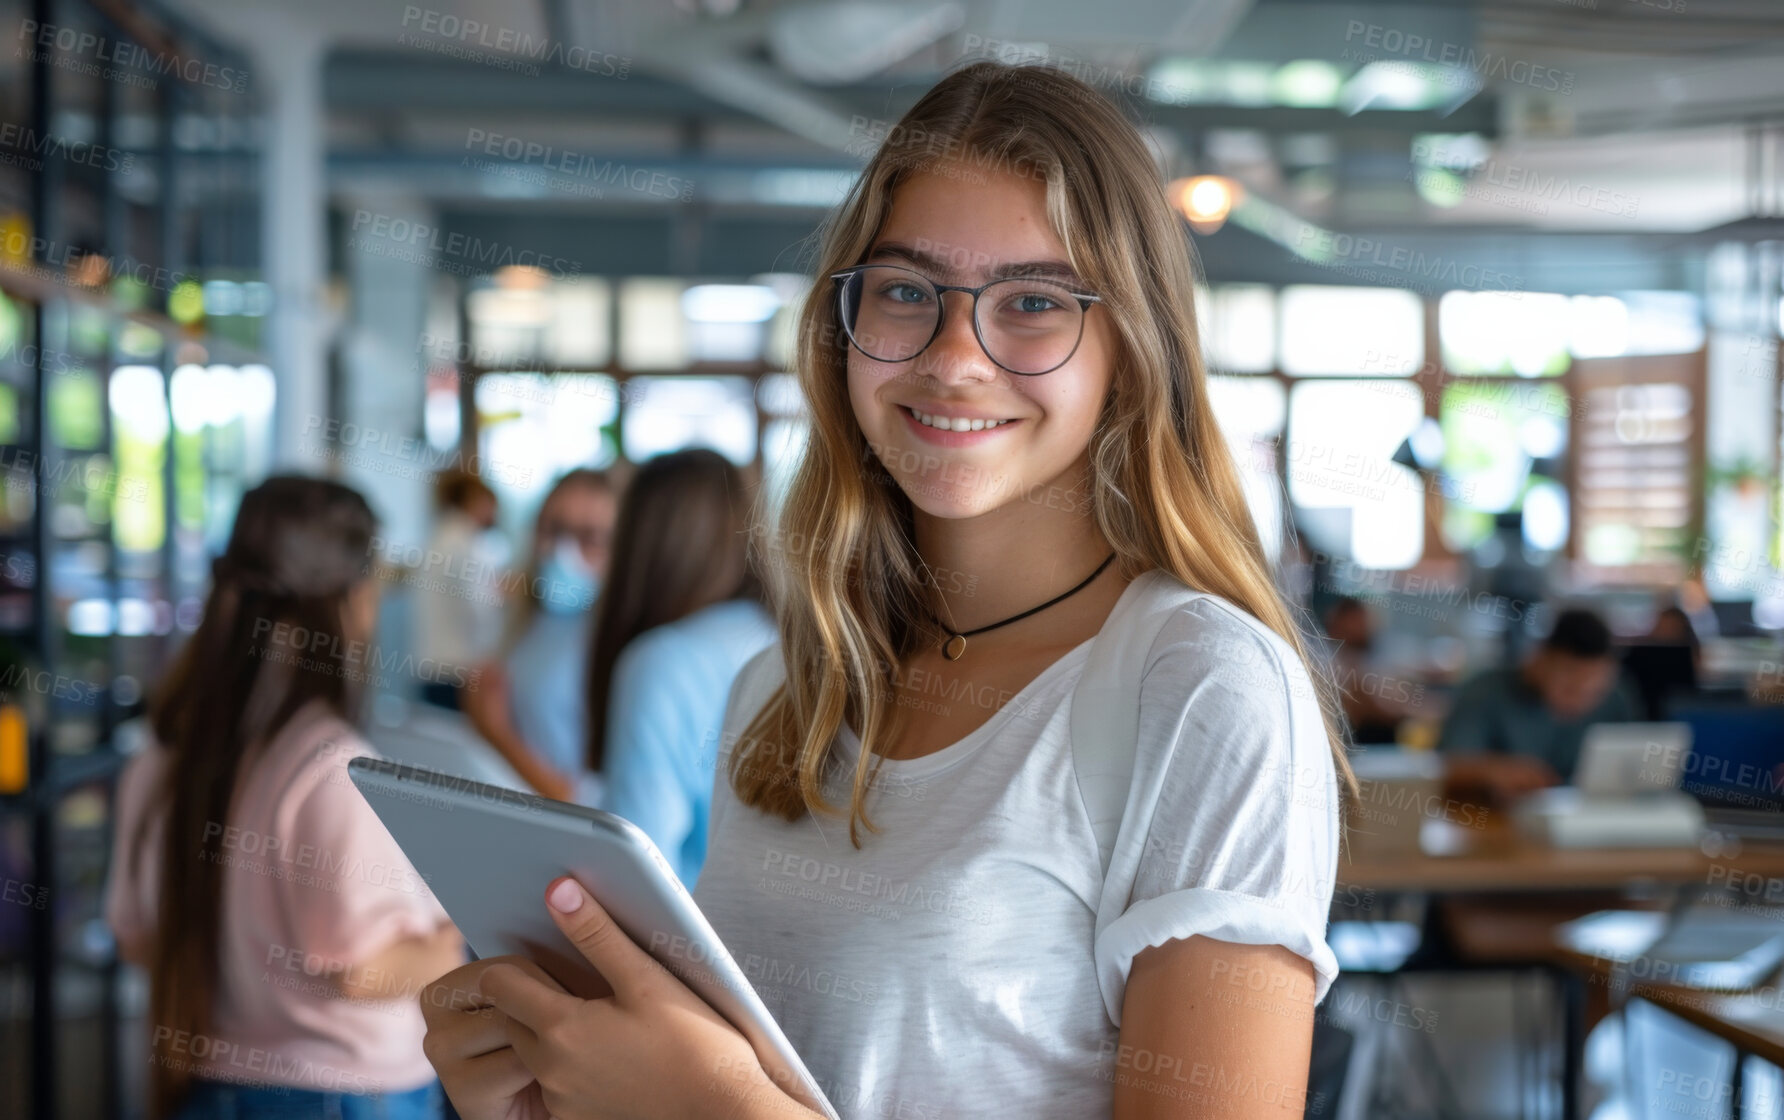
x=848, y=587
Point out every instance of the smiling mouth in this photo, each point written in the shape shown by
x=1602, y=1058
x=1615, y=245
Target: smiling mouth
x=953, y=423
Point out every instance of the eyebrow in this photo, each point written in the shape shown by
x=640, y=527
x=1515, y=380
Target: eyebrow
x=934, y=265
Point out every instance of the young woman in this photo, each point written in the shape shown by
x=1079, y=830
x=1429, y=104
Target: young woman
x=1011, y=444
x=530, y=704
x=285, y=935
x=681, y=615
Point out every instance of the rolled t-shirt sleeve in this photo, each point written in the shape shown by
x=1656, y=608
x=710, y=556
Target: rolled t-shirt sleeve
x=1232, y=828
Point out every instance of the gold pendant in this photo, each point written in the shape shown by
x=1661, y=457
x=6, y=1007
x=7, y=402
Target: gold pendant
x=954, y=648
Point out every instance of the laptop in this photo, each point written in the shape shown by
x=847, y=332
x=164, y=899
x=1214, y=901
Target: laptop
x=1624, y=793
x=1736, y=768
x=1625, y=759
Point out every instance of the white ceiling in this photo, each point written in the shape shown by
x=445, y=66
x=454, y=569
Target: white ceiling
x=1649, y=126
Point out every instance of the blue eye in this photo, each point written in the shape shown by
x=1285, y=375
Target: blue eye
x=1034, y=302
x=906, y=293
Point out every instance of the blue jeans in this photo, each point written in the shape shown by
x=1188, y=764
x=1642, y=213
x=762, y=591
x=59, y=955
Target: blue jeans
x=218, y=1100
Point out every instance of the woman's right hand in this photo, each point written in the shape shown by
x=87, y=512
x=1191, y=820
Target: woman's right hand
x=467, y=1042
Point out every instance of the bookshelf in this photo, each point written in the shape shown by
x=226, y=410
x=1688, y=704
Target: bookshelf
x=130, y=310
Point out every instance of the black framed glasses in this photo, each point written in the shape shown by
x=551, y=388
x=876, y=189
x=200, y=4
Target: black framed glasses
x=1027, y=325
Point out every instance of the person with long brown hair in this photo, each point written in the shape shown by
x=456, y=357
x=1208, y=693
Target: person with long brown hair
x=680, y=615
x=284, y=933
x=1013, y=463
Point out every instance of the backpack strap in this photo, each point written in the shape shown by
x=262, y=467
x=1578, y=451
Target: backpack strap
x=1105, y=718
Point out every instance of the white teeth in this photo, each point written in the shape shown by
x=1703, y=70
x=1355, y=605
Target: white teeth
x=954, y=423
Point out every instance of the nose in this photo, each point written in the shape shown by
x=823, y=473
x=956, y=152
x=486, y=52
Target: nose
x=955, y=357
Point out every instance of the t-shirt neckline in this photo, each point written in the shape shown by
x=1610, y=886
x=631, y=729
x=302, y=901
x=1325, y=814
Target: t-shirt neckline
x=965, y=747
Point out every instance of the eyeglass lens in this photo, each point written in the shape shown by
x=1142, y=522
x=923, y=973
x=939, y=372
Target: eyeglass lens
x=1027, y=325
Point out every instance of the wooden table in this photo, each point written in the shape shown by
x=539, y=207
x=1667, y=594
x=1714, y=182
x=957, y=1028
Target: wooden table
x=1453, y=860
x=1752, y=1022
x=1458, y=860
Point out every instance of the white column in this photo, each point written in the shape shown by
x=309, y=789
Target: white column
x=384, y=450
x=294, y=230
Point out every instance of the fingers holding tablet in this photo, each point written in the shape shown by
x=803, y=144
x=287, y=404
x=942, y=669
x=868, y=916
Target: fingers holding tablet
x=493, y=857
x=632, y=971
x=525, y=998
x=468, y=1043
x=655, y=1047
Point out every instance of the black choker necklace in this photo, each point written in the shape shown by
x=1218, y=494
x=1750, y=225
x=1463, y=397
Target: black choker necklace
x=955, y=647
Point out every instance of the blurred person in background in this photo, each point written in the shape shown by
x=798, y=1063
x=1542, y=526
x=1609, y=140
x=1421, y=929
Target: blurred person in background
x=240, y=868
x=1374, y=704
x=1673, y=626
x=1665, y=666
x=1510, y=731
x=531, y=704
x=458, y=591
x=681, y=613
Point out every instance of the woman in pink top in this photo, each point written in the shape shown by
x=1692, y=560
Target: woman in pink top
x=285, y=935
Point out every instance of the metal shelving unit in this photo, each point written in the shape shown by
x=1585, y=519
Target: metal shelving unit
x=98, y=551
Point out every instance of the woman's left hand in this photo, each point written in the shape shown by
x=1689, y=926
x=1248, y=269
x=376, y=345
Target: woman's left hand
x=652, y=1049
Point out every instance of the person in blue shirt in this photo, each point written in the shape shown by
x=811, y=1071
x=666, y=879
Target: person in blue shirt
x=529, y=704
x=680, y=615
x=1514, y=730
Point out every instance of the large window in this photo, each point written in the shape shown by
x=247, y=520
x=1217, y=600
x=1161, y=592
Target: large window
x=1502, y=442
x=784, y=434
x=533, y=427
x=1311, y=387
x=1388, y=445
x=653, y=331
x=1238, y=324
x=1518, y=333
x=1386, y=428
x=668, y=413
x=1337, y=332
x=1342, y=440
x=534, y=319
x=591, y=372
x=1252, y=412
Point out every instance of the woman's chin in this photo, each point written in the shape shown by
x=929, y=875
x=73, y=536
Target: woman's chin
x=952, y=502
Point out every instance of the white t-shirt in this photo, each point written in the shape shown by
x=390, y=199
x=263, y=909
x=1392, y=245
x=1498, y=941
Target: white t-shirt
x=459, y=594
x=951, y=967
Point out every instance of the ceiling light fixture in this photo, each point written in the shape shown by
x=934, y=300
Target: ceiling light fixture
x=1206, y=200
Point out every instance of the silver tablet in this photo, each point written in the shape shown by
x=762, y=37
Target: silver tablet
x=488, y=853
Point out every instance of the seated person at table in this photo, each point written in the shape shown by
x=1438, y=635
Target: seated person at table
x=1515, y=730
x=1374, y=713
